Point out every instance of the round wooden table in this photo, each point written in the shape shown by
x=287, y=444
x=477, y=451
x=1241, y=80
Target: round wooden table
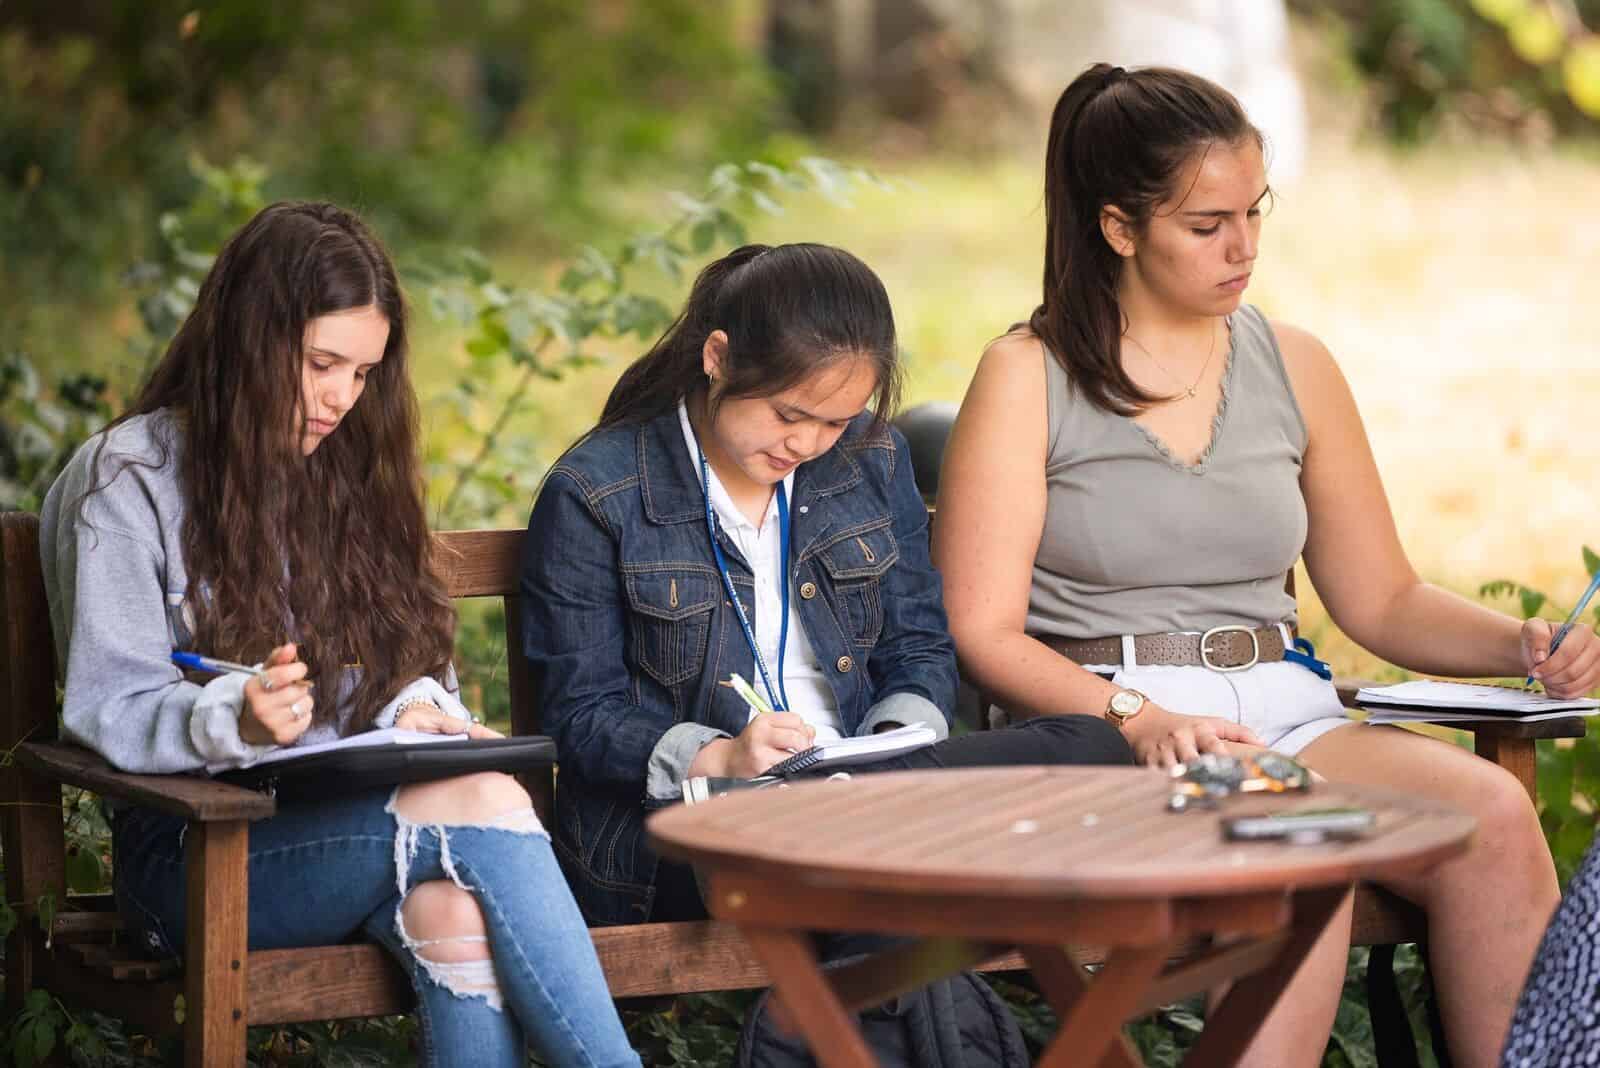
x=973, y=863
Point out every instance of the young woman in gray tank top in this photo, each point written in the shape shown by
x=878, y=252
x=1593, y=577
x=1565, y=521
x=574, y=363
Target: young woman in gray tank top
x=1144, y=460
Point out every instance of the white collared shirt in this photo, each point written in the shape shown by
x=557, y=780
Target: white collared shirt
x=809, y=694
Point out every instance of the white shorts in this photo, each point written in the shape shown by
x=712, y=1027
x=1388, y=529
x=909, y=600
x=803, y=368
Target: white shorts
x=1286, y=705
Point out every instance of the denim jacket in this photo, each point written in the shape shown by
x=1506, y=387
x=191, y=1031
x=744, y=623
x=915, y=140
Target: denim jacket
x=628, y=629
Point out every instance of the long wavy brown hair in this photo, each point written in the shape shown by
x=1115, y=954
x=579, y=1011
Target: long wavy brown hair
x=330, y=550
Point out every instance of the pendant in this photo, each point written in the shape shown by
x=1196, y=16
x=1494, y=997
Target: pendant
x=1190, y=391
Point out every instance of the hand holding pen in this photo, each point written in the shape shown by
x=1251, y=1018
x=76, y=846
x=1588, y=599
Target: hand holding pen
x=277, y=698
x=1570, y=666
x=769, y=738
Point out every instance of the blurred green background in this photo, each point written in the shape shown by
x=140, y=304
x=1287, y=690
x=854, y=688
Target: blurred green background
x=550, y=173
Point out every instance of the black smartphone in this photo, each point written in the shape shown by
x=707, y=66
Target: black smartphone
x=1302, y=825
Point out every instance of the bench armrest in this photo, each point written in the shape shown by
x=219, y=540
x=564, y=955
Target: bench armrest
x=1566, y=727
x=190, y=796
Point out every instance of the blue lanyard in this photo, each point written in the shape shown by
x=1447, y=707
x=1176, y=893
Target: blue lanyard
x=777, y=696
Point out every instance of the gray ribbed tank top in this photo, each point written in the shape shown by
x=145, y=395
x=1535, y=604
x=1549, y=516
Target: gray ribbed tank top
x=1137, y=542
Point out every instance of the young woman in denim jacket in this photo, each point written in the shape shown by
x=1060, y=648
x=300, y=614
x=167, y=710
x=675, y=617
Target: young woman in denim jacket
x=265, y=481
x=629, y=624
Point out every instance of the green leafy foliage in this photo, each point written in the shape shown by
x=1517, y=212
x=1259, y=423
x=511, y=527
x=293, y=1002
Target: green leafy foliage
x=1496, y=63
x=33, y=1034
x=543, y=335
x=1568, y=768
x=40, y=428
x=431, y=118
x=691, y=1031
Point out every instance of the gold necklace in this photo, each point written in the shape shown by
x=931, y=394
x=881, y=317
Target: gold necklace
x=1189, y=389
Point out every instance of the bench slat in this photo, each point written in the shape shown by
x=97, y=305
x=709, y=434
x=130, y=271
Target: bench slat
x=640, y=960
x=190, y=796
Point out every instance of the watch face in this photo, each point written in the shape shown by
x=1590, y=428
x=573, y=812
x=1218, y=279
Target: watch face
x=1125, y=703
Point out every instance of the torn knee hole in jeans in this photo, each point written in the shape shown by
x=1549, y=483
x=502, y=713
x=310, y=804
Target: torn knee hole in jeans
x=463, y=978
x=408, y=833
x=519, y=819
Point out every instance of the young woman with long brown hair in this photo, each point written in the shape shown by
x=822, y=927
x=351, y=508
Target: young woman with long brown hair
x=262, y=500
x=1133, y=472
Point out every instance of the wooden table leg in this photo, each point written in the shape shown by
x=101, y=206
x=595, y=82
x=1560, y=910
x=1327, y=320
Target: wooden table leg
x=1092, y=1011
x=1234, y=1023
x=1516, y=755
x=215, y=943
x=809, y=1001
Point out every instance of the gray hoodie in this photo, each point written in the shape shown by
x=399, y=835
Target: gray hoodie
x=118, y=593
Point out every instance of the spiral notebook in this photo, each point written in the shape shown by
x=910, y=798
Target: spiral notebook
x=864, y=750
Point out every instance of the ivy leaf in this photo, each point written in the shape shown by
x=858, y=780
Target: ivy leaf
x=690, y=206
x=765, y=203
x=1532, y=601
x=702, y=235
x=779, y=177
x=482, y=347
x=44, y=1037
x=1497, y=588
x=84, y=873
x=476, y=266
x=731, y=228
x=1591, y=561
x=643, y=316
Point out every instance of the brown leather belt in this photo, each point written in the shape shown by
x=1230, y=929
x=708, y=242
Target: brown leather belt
x=1228, y=648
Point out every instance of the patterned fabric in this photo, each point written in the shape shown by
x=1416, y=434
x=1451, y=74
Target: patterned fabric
x=1557, y=1024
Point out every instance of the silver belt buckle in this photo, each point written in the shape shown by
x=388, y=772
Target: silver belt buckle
x=1255, y=647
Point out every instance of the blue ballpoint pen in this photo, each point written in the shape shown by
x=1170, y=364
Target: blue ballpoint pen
x=1561, y=632
x=196, y=662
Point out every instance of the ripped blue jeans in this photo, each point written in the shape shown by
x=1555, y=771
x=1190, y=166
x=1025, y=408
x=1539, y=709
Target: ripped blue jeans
x=326, y=872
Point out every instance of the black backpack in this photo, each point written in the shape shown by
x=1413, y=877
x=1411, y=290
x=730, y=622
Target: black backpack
x=959, y=1022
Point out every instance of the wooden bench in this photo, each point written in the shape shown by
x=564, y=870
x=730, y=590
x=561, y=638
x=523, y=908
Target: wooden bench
x=227, y=988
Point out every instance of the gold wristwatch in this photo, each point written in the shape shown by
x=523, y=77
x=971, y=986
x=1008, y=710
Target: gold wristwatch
x=1123, y=706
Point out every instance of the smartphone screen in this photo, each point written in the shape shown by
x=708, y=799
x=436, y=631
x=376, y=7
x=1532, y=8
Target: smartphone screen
x=1313, y=824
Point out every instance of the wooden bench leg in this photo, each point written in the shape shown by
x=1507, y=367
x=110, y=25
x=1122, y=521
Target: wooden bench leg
x=35, y=855
x=1516, y=755
x=215, y=944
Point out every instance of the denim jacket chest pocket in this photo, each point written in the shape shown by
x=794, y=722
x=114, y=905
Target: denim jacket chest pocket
x=669, y=618
x=856, y=562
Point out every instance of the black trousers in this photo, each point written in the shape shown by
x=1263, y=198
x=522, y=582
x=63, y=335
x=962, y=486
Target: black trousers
x=1071, y=739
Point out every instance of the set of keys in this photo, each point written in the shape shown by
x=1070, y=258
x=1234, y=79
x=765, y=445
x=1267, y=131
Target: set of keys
x=1212, y=777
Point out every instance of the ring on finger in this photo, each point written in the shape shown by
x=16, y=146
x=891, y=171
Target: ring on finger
x=298, y=708
x=265, y=680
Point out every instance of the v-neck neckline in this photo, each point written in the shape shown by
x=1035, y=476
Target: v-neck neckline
x=1218, y=419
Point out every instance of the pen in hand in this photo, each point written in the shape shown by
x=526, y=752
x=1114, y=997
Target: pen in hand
x=1572, y=617
x=197, y=662
x=748, y=693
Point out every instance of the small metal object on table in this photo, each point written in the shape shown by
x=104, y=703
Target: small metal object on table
x=973, y=863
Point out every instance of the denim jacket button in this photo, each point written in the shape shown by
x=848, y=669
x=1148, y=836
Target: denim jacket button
x=844, y=663
x=808, y=590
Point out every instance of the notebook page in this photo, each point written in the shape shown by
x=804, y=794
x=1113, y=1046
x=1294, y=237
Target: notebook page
x=1468, y=697
x=388, y=736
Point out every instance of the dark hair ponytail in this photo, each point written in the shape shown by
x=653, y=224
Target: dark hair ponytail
x=788, y=311
x=1117, y=138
